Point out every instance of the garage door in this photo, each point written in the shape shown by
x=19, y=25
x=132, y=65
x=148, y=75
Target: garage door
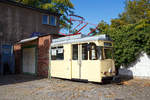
x=29, y=60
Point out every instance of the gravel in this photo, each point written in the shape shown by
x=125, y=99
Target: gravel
x=26, y=87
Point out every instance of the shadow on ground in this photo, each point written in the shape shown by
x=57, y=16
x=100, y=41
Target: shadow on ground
x=122, y=79
x=13, y=79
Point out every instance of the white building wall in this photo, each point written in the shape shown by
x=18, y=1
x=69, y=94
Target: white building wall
x=140, y=68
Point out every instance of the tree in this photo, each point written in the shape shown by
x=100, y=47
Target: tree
x=117, y=23
x=130, y=32
x=136, y=10
x=103, y=27
x=34, y=3
x=129, y=41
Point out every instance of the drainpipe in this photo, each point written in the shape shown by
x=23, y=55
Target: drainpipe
x=49, y=68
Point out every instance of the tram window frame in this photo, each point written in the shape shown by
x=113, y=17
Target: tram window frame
x=75, y=52
x=85, y=54
x=100, y=52
x=53, y=56
x=57, y=55
x=104, y=51
x=108, y=44
x=93, y=47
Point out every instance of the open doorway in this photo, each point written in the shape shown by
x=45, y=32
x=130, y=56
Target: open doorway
x=7, y=60
x=6, y=69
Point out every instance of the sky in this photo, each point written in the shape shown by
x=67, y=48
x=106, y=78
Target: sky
x=96, y=10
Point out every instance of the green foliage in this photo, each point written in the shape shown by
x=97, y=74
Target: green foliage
x=34, y=3
x=129, y=41
x=130, y=32
x=103, y=27
x=117, y=23
x=136, y=10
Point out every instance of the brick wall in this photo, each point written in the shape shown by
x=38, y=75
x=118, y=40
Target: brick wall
x=43, y=55
x=43, y=44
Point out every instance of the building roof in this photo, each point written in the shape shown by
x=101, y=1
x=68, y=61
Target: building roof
x=10, y=2
x=28, y=40
x=36, y=37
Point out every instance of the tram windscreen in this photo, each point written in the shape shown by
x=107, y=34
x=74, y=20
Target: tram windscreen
x=108, y=52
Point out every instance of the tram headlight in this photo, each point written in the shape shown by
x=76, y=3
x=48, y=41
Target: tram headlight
x=110, y=70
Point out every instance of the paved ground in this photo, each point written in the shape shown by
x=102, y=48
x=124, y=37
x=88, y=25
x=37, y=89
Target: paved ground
x=21, y=87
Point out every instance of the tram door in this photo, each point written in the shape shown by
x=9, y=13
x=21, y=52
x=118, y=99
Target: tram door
x=85, y=62
x=76, y=61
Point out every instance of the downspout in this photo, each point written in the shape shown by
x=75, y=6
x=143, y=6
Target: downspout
x=49, y=68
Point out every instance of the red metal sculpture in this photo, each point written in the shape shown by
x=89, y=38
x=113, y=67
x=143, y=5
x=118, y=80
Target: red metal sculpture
x=81, y=21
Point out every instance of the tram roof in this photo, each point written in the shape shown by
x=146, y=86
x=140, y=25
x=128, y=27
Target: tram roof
x=78, y=39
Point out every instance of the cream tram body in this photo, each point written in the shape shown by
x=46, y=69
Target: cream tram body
x=82, y=58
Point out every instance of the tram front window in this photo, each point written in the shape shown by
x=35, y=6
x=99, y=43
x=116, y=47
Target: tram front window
x=108, y=53
x=99, y=52
x=95, y=52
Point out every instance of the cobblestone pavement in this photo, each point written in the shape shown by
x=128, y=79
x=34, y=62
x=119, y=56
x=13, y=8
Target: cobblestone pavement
x=23, y=87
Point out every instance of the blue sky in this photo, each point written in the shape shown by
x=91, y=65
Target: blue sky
x=96, y=10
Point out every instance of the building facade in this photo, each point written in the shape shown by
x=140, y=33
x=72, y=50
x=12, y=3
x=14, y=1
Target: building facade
x=17, y=22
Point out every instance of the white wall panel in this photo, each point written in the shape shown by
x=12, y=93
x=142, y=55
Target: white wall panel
x=140, y=68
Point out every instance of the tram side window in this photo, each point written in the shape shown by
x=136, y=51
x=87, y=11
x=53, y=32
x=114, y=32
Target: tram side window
x=57, y=53
x=85, y=51
x=93, y=52
x=53, y=53
x=75, y=52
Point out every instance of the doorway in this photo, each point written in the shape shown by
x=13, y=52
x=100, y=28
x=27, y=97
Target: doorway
x=29, y=60
x=76, y=61
x=7, y=60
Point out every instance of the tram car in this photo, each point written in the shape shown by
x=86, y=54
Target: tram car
x=82, y=58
